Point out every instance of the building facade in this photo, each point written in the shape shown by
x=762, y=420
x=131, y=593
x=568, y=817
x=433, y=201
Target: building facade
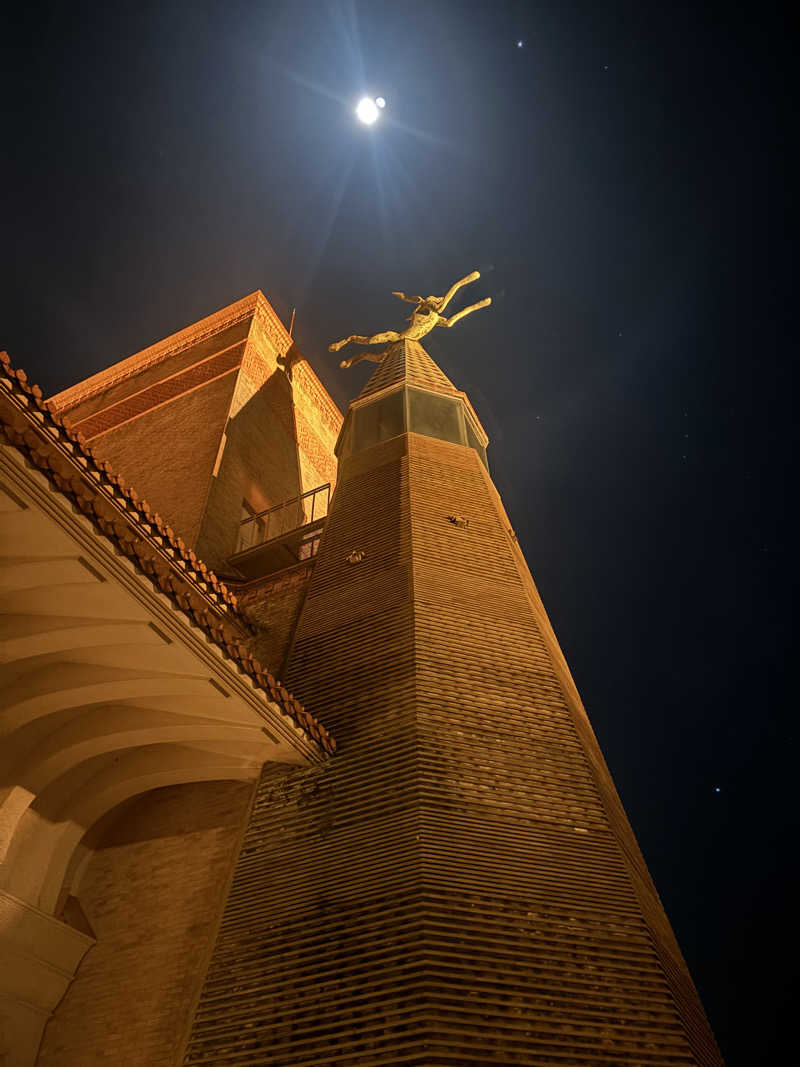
x=458, y=883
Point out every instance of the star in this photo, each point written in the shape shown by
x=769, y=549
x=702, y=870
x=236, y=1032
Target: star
x=520, y=44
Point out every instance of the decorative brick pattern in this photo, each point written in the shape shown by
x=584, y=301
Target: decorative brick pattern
x=314, y=396
x=245, y=310
x=162, y=392
x=317, y=460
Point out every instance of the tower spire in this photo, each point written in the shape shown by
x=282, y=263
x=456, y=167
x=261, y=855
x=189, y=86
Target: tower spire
x=407, y=362
x=460, y=883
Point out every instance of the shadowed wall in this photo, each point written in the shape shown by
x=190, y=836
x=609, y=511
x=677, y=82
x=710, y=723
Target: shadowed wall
x=151, y=892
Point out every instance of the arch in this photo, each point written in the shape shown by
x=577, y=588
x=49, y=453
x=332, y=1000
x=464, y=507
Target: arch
x=52, y=691
x=53, y=827
x=82, y=740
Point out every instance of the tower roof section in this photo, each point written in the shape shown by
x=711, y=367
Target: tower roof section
x=407, y=362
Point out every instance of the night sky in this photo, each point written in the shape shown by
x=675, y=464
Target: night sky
x=622, y=182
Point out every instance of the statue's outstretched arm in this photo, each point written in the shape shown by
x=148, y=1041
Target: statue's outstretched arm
x=465, y=311
x=451, y=292
x=408, y=299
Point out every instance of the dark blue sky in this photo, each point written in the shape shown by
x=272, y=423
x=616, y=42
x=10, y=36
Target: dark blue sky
x=622, y=181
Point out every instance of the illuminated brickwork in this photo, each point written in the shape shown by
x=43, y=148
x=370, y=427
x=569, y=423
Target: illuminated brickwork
x=460, y=885
x=207, y=419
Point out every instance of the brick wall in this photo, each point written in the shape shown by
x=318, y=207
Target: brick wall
x=138, y=378
x=159, y=393
x=168, y=454
x=152, y=893
x=279, y=443
x=260, y=463
x=274, y=604
x=210, y=425
x=460, y=884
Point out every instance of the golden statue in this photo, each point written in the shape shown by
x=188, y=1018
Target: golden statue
x=426, y=315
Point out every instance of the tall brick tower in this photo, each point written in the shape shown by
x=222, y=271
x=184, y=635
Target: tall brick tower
x=460, y=884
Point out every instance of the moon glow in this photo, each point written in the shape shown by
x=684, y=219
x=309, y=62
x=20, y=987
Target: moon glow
x=367, y=110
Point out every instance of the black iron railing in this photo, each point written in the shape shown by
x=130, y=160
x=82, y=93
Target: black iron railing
x=283, y=518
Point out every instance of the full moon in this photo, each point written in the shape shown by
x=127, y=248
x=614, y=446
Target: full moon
x=367, y=110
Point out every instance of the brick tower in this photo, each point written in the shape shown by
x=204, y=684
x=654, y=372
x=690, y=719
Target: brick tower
x=208, y=422
x=460, y=884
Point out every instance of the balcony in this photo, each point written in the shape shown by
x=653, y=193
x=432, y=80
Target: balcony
x=282, y=535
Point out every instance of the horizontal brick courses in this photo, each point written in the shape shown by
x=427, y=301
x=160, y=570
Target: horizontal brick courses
x=460, y=885
x=161, y=392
